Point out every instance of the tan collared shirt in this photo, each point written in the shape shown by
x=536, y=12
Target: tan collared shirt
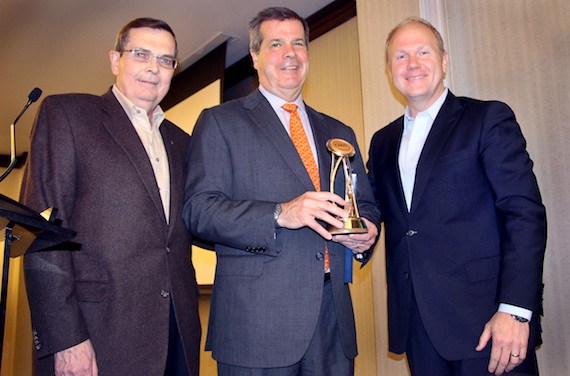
x=149, y=134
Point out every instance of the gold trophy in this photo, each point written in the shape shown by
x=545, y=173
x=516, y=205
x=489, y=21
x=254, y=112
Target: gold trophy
x=341, y=151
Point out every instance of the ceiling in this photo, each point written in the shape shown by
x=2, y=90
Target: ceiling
x=62, y=46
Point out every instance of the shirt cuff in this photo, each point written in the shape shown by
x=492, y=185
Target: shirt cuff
x=514, y=310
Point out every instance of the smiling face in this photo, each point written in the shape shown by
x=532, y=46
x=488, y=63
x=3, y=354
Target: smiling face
x=144, y=83
x=416, y=66
x=282, y=62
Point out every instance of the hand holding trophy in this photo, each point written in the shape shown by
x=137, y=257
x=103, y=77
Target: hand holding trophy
x=341, y=150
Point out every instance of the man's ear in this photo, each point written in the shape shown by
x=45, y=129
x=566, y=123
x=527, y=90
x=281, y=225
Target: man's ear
x=444, y=62
x=114, y=57
x=254, y=58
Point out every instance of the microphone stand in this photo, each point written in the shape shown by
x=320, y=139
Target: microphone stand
x=7, y=207
x=34, y=95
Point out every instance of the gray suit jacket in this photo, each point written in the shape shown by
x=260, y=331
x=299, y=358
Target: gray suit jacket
x=269, y=283
x=87, y=161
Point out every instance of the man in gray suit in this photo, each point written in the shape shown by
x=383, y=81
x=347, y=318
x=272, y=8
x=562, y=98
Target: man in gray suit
x=126, y=302
x=276, y=308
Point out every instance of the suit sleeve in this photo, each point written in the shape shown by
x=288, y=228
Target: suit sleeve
x=521, y=213
x=364, y=196
x=371, y=170
x=211, y=212
x=49, y=182
x=367, y=206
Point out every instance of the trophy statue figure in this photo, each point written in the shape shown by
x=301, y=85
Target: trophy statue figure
x=341, y=150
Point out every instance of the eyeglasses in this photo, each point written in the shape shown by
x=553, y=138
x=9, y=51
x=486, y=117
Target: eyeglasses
x=165, y=61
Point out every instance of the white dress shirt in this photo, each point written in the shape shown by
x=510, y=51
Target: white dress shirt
x=413, y=140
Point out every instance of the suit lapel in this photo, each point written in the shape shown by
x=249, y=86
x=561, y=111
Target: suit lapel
x=176, y=176
x=321, y=134
x=393, y=150
x=262, y=114
x=442, y=127
x=121, y=130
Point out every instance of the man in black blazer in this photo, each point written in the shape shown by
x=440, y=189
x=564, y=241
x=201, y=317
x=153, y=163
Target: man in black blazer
x=274, y=308
x=126, y=302
x=465, y=226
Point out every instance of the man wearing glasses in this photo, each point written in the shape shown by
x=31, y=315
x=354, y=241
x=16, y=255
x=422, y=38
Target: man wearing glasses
x=125, y=300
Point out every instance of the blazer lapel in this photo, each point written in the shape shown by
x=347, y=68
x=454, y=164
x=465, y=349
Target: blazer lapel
x=442, y=127
x=121, y=130
x=176, y=176
x=262, y=114
x=393, y=150
x=321, y=134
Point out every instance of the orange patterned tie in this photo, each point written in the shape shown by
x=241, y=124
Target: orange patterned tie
x=301, y=142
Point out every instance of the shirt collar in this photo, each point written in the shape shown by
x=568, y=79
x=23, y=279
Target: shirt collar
x=133, y=111
x=433, y=110
x=277, y=102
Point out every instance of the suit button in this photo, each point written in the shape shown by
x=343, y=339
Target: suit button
x=164, y=294
x=411, y=232
x=407, y=275
x=38, y=347
x=320, y=256
x=167, y=249
x=255, y=249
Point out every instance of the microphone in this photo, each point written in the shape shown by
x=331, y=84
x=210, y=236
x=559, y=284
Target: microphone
x=32, y=97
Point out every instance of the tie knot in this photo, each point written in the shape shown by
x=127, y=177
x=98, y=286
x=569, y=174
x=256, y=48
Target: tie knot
x=290, y=107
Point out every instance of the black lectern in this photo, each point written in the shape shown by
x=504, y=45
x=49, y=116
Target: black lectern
x=24, y=231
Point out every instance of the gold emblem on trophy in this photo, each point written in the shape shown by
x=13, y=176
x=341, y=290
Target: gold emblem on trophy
x=341, y=151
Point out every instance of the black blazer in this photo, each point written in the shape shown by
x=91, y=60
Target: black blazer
x=476, y=232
